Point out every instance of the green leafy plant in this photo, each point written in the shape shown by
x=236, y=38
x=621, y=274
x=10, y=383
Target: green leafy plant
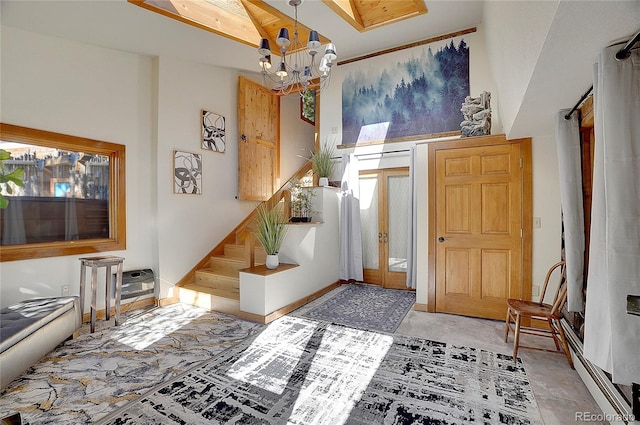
x=270, y=228
x=323, y=160
x=6, y=179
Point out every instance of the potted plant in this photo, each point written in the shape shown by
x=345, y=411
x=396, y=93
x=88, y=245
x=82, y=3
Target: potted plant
x=6, y=178
x=270, y=231
x=301, y=202
x=323, y=163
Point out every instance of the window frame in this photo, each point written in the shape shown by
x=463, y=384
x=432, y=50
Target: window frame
x=117, y=194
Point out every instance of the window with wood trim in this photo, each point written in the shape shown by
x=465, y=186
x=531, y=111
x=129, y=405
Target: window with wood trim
x=72, y=200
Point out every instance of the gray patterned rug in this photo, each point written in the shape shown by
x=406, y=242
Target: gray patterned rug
x=366, y=307
x=303, y=372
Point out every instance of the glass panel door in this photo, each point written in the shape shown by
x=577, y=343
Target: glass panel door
x=398, y=203
x=370, y=224
x=384, y=203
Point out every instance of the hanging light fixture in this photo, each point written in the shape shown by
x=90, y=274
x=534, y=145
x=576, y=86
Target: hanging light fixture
x=299, y=68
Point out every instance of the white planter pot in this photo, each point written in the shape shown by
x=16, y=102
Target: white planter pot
x=323, y=181
x=272, y=261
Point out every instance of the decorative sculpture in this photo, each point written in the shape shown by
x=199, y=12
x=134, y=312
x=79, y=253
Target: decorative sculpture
x=477, y=115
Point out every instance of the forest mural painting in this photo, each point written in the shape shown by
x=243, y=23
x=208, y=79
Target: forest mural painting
x=406, y=94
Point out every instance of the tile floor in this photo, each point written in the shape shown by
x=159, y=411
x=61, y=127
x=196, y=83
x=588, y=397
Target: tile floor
x=154, y=345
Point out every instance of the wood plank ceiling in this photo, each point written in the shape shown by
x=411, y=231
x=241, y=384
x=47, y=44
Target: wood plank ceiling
x=247, y=21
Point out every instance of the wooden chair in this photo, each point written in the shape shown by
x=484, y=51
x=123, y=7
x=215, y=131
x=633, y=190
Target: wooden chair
x=551, y=313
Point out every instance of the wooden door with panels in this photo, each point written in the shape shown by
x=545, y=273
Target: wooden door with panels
x=259, y=144
x=384, y=202
x=479, y=229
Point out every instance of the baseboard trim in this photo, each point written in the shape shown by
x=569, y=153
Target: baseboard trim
x=421, y=307
x=615, y=408
x=289, y=308
x=101, y=314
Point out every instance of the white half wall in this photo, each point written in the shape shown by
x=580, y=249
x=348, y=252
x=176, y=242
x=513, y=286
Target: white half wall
x=73, y=88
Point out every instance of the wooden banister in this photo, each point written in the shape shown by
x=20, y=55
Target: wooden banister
x=242, y=233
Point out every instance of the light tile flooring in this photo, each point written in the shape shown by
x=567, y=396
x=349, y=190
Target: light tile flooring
x=90, y=376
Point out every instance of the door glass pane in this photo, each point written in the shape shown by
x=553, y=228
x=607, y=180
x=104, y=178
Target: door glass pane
x=398, y=198
x=369, y=221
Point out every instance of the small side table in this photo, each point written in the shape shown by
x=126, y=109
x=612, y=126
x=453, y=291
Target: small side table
x=94, y=263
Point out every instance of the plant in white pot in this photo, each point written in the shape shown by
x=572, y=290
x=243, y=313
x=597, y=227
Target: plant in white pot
x=323, y=163
x=270, y=232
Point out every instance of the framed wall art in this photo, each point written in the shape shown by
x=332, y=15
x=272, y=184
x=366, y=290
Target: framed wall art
x=213, y=131
x=406, y=94
x=187, y=173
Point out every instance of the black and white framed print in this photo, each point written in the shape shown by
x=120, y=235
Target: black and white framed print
x=213, y=132
x=187, y=172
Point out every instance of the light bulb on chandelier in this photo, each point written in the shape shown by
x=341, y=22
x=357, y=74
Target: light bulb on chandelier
x=299, y=68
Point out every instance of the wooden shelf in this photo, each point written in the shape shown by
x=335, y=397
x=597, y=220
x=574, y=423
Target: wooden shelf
x=262, y=270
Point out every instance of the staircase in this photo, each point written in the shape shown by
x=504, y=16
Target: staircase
x=214, y=283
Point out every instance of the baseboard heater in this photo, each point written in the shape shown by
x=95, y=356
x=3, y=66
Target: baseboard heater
x=135, y=284
x=615, y=408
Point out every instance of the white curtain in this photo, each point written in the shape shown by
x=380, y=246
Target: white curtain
x=412, y=240
x=570, y=170
x=612, y=337
x=350, y=229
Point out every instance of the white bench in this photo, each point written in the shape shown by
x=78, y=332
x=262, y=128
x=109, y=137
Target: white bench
x=30, y=329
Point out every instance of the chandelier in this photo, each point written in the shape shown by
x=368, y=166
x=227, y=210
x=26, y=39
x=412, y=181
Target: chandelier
x=299, y=68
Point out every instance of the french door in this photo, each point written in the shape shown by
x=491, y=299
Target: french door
x=384, y=203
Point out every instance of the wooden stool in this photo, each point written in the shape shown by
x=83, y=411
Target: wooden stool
x=94, y=263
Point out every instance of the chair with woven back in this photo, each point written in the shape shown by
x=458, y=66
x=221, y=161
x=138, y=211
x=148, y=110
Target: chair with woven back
x=551, y=313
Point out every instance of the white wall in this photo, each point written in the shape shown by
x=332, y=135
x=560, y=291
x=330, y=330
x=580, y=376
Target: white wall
x=189, y=226
x=73, y=88
x=515, y=33
x=331, y=130
x=297, y=137
x=546, y=205
x=152, y=106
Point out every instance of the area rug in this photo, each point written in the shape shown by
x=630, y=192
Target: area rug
x=366, y=307
x=304, y=372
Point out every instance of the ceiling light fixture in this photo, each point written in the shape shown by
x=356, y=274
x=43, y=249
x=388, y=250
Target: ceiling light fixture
x=299, y=68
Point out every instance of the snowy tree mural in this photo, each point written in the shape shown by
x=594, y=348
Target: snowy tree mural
x=408, y=93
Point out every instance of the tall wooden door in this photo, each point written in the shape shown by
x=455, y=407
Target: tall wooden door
x=259, y=144
x=478, y=229
x=384, y=203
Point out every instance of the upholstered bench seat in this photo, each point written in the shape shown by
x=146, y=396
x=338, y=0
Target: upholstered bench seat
x=32, y=328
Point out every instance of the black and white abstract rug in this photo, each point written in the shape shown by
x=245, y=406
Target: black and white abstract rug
x=299, y=371
x=366, y=307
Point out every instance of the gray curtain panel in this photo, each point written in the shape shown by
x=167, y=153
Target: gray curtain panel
x=612, y=336
x=570, y=171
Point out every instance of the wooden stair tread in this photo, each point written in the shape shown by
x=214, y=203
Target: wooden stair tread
x=224, y=273
x=235, y=251
x=211, y=291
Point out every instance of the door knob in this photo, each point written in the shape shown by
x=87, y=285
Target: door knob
x=440, y=239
